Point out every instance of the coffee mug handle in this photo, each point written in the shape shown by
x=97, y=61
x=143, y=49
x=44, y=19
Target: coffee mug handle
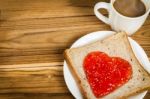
x=98, y=14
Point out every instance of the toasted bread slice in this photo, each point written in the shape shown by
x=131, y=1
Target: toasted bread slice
x=116, y=45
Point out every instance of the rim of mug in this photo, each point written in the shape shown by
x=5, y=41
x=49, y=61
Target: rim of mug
x=148, y=11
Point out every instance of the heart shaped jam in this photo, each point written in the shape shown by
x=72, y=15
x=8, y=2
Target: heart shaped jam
x=104, y=73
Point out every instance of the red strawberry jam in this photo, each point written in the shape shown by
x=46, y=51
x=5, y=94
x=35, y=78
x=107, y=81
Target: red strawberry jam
x=104, y=73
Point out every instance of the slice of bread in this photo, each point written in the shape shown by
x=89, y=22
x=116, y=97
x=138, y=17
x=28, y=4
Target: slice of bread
x=116, y=45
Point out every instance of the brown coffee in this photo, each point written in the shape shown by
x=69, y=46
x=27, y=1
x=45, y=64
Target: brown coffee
x=130, y=8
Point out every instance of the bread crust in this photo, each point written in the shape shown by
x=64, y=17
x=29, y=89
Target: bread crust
x=132, y=52
x=77, y=79
x=129, y=45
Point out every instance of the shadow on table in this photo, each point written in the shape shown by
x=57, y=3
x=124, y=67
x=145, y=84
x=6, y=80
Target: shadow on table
x=86, y=3
x=87, y=6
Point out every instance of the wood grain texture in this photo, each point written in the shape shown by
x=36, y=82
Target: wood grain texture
x=33, y=36
x=36, y=96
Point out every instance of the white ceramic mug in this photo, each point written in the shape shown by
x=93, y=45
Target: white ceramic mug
x=119, y=22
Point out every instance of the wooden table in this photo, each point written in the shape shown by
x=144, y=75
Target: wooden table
x=33, y=36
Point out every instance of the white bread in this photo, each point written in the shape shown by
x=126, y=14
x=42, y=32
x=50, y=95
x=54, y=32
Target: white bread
x=116, y=45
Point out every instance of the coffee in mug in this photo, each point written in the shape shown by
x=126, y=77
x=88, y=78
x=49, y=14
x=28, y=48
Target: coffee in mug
x=130, y=8
x=129, y=21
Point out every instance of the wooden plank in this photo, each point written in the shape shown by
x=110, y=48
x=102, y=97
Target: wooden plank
x=44, y=78
x=22, y=46
x=32, y=4
x=44, y=4
x=36, y=96
x=45, y=13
